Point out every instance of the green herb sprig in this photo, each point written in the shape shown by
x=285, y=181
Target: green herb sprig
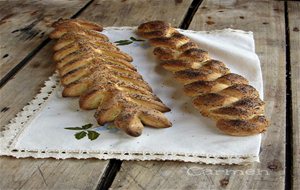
x=126, y=42
x=137, y=40
x=84, y=131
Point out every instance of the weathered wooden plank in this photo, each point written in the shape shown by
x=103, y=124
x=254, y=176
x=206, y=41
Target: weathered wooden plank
x=67, y=174
x=294, y=28
x=50, y=173
x=134, y=12
x=266, y=20
x=25, y=24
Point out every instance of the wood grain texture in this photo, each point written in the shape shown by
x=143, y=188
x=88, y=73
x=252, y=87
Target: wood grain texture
x=135, y=12
x=25, y=24
x=50, y=173
x=24, y=173
x=266, y=20
x=294, y=28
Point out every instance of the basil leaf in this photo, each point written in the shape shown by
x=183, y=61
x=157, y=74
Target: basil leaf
x=80, y=135
x=124, y=43
x=87, y=126
x=73, y=128
x=92, y=135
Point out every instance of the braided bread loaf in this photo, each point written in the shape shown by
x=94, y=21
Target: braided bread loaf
x=102, y=76
x=217, y=93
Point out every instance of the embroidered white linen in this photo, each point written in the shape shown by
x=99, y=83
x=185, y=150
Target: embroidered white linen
x=39, y=131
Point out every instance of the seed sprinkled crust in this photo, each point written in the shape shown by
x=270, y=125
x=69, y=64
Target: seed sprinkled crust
x=102, y=76
x=217, y=93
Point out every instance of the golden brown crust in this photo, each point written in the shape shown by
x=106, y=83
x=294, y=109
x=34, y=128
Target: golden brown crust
x=84, y=46
x=243, y=127
x=63, y=26
x=80, y=58
x=212, y=100
x=188, y=45
x=208, y=72
x=105, y=74
x=194, y=54
x=191, y=75
x=231, y=79
x=73, y=73
x=97, y=94
x=155, y=29
x=78, y=22
x=71, y=37
x=100, y=74
x=218, y=94
x=129, y=115
x=203, y=87
x=175, y=41
x=164, y=53
x=178, y=65
x=64, y=44
x=243, y=109
x=75, y=89
x=155, y=25
x=240, y=91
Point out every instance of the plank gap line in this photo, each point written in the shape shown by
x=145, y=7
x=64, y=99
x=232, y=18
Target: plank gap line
x=190, y=14
x=289, y=107
x=109, y=175
x=82, y=9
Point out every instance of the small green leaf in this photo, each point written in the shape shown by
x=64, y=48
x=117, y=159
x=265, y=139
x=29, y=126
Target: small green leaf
x=137, y=40
x=125, y=43
x=80, y=135
x=93, y=135
x=87, y=126
x=74, y=128
x=122, y=41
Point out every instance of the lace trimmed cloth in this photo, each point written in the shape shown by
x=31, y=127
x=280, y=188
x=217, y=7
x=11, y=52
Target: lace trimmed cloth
x=52, y=126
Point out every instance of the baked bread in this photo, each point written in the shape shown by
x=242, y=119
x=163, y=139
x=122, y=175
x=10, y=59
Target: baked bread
x=217, y=93
x=79, y=26
x=96, y=71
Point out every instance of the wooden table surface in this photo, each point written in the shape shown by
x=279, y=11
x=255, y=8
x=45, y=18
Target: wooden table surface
x=25, y=63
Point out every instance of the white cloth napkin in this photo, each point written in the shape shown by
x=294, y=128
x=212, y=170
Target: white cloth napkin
x=192, y=138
